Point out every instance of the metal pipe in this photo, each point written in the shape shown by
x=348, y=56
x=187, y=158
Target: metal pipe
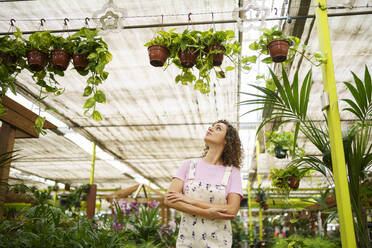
x=205, y=22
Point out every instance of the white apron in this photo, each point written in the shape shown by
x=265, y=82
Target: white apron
x=197, y=231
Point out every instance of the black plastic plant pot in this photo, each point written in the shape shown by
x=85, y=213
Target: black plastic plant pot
x=280, y=153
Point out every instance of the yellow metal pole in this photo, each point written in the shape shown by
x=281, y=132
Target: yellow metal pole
x=93, y=164
x=334, y=128
x=260, y=211
x=250, y=212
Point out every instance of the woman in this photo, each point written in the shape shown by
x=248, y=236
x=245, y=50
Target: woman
x=208, y=190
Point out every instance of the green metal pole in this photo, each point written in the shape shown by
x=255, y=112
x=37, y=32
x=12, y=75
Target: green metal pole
x=93, y=163
x=334, y=127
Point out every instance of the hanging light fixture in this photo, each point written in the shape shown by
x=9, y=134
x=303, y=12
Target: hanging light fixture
x=110, y=17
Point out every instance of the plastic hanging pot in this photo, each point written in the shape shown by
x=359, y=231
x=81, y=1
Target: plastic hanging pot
x=36, y=60
x=60, y=59
x=280, y=153
x=7, y=58
x=278, y=50
x=158, y=55
x=188, y=57
x=80, y=61
x=67, y=187
x=294, y=182
x=218, y=57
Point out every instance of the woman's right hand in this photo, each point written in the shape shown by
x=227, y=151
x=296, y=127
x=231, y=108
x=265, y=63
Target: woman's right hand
x=219, y=213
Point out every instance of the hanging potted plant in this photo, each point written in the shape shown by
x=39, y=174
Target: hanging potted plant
x=189, y=47
x=12, y=53
x=38, y=47
x=161, y=47
x=67, y=186
x=91, y=55
x=260, y=196
x=215, y=43
x=278, y=144
x=61, y=52
x=273, y=42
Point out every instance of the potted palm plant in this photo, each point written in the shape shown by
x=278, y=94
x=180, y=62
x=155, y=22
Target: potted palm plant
x=358, y=150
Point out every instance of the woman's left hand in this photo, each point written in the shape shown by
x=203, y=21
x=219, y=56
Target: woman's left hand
x=176, y=196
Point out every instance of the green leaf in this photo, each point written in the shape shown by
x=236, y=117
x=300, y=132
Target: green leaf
x=267, y=60
x=100, y=97
x=87, y=91
x=229, y=68
x=90, y=103
x=39, y=124
x=96, y=116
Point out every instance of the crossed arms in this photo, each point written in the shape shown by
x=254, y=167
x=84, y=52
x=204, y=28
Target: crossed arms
x=175, y=199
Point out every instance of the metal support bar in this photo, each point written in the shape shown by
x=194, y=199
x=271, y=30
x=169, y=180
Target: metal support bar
x=334, y=129
x=176, y=24
x=93, y=163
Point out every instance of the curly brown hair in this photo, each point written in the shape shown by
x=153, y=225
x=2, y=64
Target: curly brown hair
x=232, y=154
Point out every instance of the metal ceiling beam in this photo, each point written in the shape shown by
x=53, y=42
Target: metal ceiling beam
x=176, y=24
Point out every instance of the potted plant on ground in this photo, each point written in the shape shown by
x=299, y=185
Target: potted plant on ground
x=93, y=52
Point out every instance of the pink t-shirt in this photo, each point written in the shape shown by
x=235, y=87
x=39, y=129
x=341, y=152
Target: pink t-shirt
x=213, y=174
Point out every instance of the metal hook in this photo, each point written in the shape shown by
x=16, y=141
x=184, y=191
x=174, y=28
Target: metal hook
x=12, y=21
x=42, y=21
x=276, y=11
x=162, y=19
x=189, y=16
x=65, y=21
x=86, y=21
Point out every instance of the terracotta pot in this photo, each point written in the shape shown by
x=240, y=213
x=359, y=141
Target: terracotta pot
x=330, y=200
x=218, y=57
x=278, y=50
x=279, y=152
x=36, y=59
x=294, y=182
x=67, y=187
x=158, y=55
x=7, y=59
x=80, y=61
x=60, y=59
x=188, y=57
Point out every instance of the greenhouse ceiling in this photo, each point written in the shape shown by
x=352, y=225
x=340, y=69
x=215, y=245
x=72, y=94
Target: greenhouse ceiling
x=151, y=124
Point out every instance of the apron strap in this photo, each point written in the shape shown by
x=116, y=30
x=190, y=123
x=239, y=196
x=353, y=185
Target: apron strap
x=192, y=170
x=226, y=176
